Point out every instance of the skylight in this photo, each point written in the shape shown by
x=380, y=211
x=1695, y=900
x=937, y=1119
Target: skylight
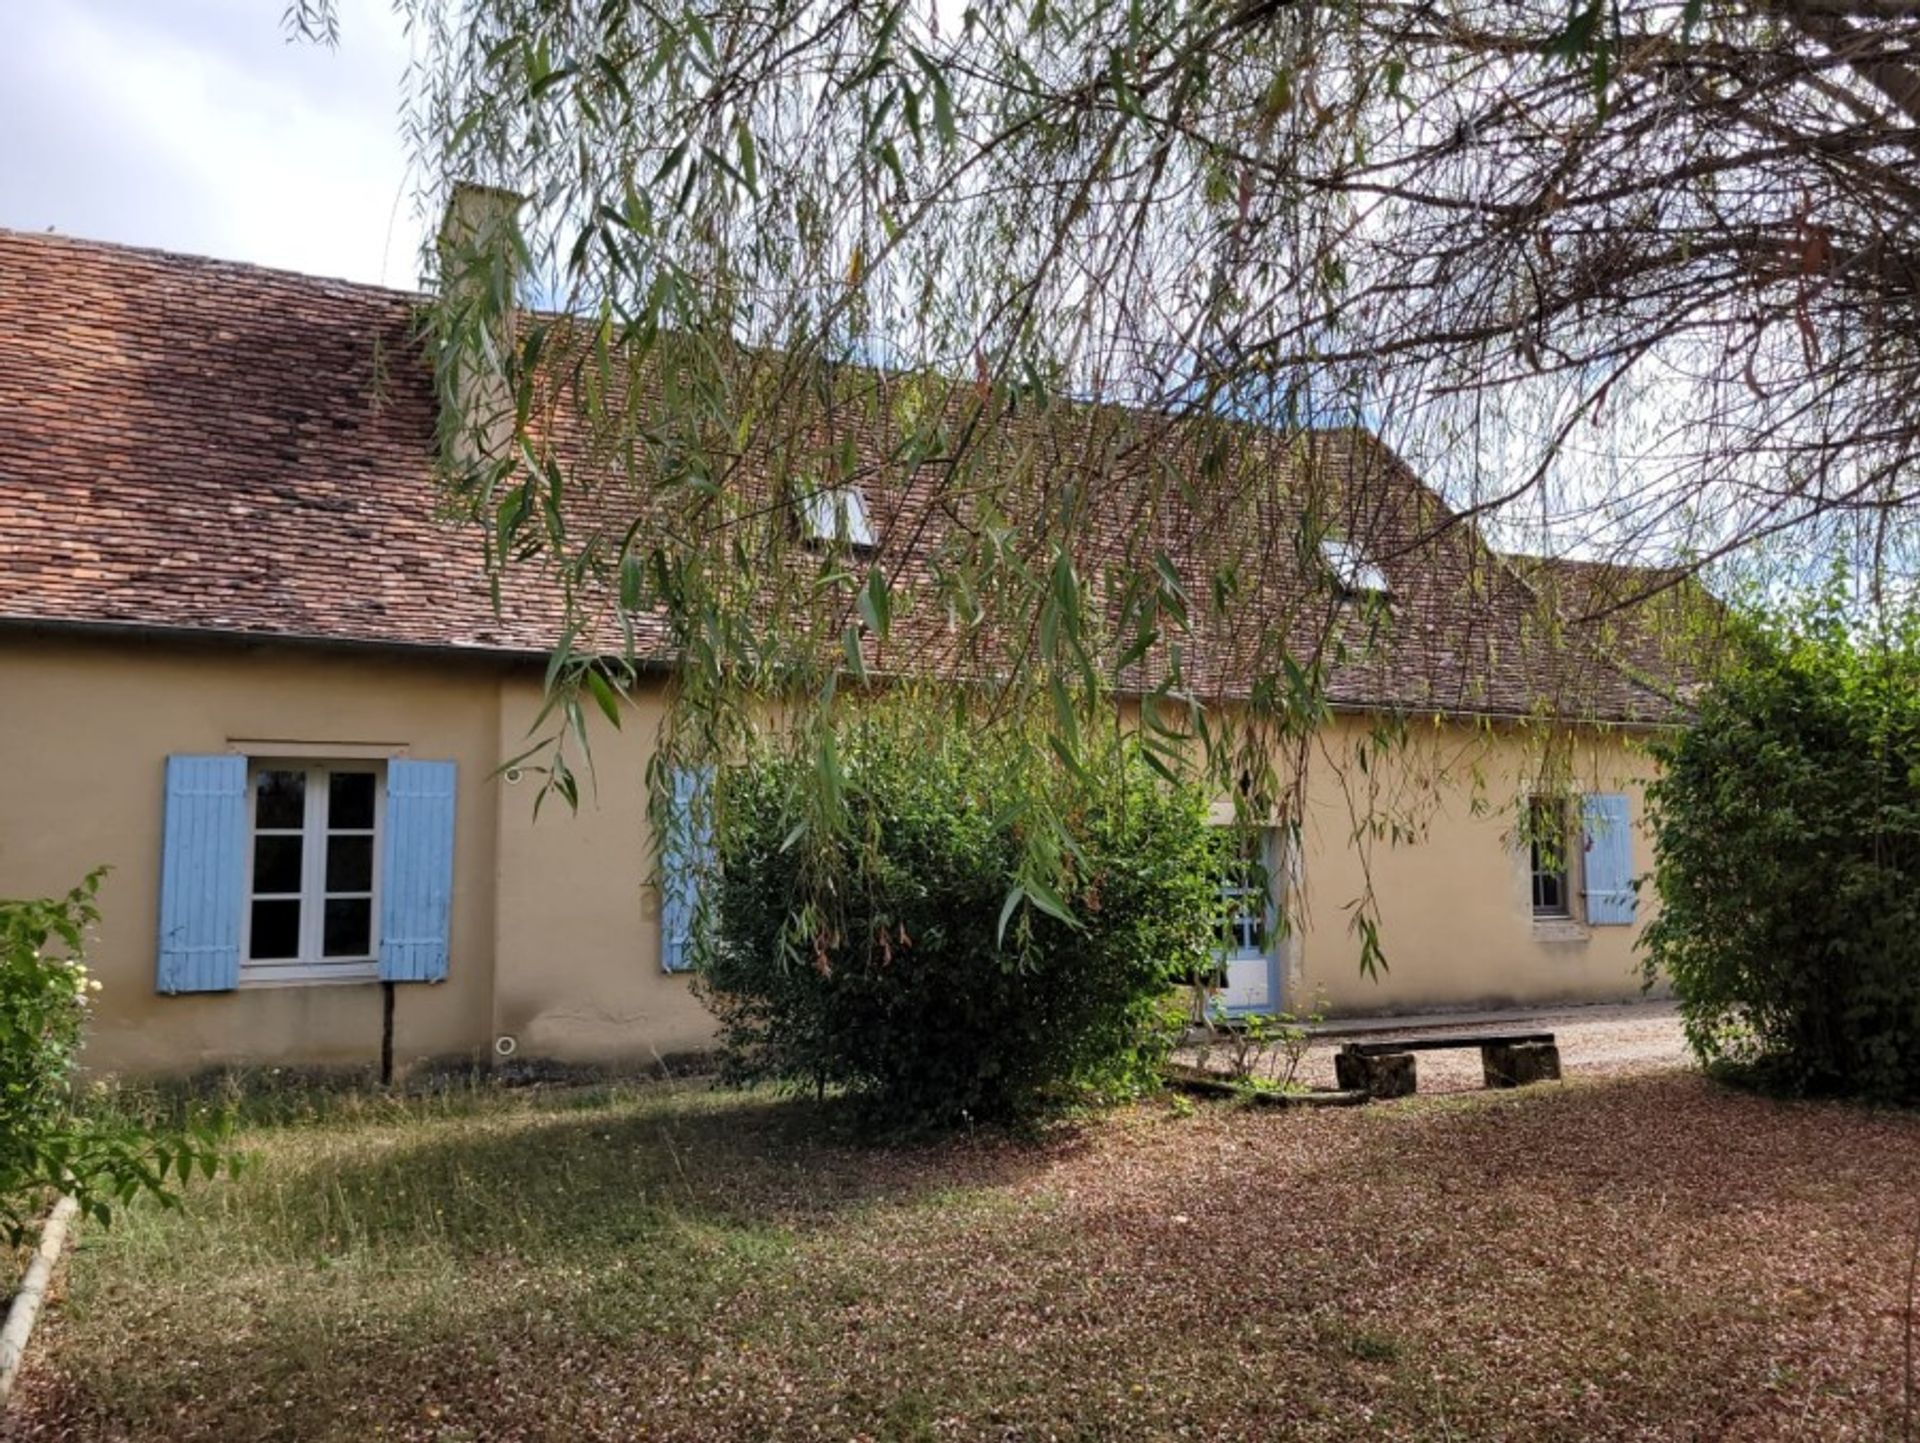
x=838, y=514
x=1352, y=572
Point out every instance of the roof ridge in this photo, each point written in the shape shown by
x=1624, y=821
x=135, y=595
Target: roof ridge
x=1468, y=520
x=212, y=264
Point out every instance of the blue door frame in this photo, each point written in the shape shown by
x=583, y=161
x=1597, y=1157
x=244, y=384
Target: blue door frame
x=1270, y=859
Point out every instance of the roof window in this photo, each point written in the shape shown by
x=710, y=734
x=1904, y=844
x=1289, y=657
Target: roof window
x=1353, y=573
x=837, y=514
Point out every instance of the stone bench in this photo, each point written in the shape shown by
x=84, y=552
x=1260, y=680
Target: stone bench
x=1507, y=1059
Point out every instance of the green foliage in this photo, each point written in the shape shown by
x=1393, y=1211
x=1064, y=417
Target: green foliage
x=1075, y=294
x=1263, y=1053
x=1788, y=846
x=940, y=980
x=48, y=1143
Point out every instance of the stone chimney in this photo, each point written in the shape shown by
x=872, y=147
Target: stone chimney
x=480, y=254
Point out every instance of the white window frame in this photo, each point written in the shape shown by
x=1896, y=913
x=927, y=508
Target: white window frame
x=312, y=965
x=1353, y=573
x=837, y=513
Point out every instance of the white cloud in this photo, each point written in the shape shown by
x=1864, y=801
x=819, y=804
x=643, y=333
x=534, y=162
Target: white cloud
x=194, y=126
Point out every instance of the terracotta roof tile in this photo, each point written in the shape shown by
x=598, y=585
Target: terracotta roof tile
x=192, y=444
x=187, y=443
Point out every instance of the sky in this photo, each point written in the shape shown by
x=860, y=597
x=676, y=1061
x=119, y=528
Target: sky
x=193, y=125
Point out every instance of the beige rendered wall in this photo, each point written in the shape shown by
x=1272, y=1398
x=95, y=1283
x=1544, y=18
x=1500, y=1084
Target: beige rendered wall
x=577, y=921
x=1447, y=875
x=556, y=932
x=87, y=727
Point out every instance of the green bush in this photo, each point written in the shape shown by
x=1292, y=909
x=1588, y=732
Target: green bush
x=48, y=1142
x=912, y=957
x=1787, y=825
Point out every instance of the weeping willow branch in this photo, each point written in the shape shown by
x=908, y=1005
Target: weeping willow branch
x=1112, y=316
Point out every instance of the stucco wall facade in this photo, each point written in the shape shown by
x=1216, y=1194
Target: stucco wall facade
x=578, y=926
x=1446, y=871
x=555, y=934
x=90, y=725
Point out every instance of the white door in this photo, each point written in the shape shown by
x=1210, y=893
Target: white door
x=1247, y=950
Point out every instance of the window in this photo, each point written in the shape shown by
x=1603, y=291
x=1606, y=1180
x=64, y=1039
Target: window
x=314, y=836
x=687, y=861
x=1353, y=574
x=1549, y=857
x=276, y=871
x=1243, y=908
x=837, y=514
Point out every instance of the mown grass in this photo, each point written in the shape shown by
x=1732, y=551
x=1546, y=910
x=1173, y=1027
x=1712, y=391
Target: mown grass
x=1644, y=1258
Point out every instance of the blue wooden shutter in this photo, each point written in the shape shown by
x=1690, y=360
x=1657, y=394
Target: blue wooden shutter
x=203, y=874
x=686, y=855
x=416, y=874
x=1608, y=860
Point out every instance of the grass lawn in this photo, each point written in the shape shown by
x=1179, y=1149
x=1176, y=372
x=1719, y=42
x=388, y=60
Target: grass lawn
x=1645, y=1258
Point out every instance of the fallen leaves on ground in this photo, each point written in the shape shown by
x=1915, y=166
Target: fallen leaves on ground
x=1649, y=1257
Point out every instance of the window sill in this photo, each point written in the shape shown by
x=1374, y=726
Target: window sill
x=1559, y=929
x=329, y=975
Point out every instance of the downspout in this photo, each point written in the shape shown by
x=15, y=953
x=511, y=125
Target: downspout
x=386, y=1034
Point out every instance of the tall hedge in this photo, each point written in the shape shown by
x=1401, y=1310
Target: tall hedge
x=1787, y=825
x=906, y=958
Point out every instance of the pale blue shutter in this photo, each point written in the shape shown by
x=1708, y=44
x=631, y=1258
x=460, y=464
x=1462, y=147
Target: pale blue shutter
x=1608, y=860
x=686, y=855
x=203, y=874
x=416, y=874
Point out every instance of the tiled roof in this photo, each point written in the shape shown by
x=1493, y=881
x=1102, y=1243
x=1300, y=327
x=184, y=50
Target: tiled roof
x=1656, y=622
x=187, y=443
x=196, y=445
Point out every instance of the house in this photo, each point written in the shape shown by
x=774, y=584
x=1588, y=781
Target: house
x=246, y=663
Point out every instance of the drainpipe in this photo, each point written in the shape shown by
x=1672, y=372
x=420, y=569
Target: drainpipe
x=386, y=1034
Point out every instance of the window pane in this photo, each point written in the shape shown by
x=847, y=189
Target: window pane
x=349, y=800
x=280, y=799
x=276, y=864
x=349, y=927
x=1548, y=822
x=276, y=930
x=349, y=864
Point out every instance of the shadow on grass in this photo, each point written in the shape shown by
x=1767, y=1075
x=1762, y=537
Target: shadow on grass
x=676, y=1262
x=583, y=1174
x=275, y=1305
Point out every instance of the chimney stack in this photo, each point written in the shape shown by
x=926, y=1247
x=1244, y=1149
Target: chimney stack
x=480, y=254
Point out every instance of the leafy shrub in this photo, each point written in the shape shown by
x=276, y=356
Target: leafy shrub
x=48, y=1143
x=1788, y=860
x=912, y=956
x=1262, y=1052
